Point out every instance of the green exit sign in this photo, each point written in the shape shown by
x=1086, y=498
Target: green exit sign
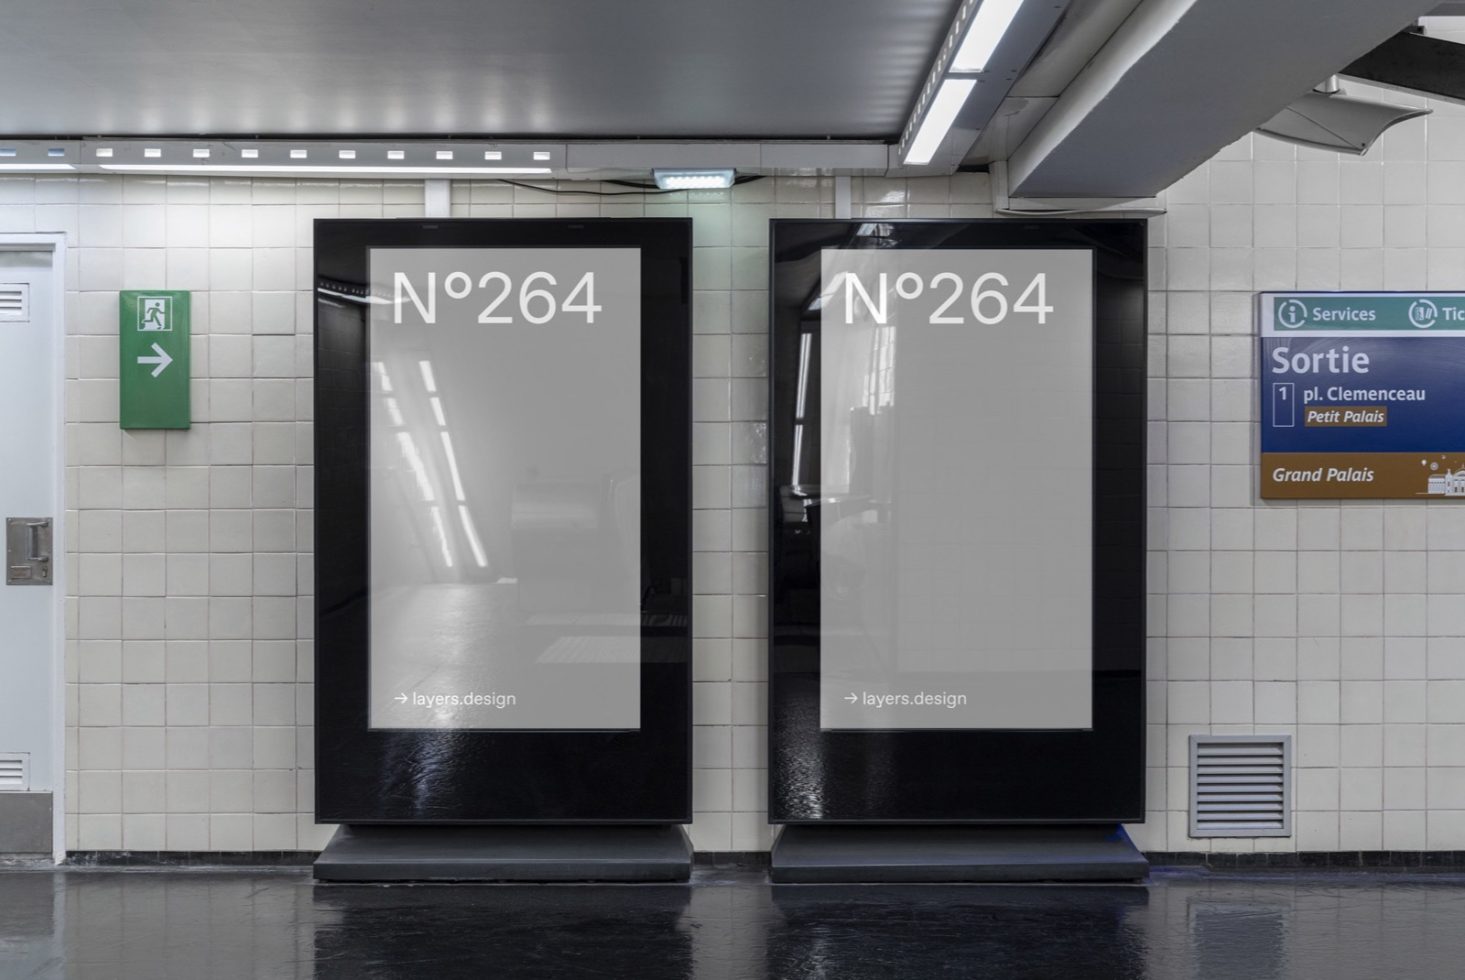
x=153, y=378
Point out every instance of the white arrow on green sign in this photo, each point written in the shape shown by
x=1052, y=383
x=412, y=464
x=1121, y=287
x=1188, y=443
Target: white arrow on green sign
x=153, y=335
x=160, y=358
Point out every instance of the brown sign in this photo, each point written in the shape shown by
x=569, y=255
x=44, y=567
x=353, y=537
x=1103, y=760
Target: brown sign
x=1299, y=476
x=1345, y=416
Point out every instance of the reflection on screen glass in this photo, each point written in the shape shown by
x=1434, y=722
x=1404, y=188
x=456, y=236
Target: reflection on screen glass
x=505, y=496
x=954, y=486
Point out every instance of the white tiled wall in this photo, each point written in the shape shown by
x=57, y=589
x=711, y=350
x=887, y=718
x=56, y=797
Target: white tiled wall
x=189, y=661
x=189, y=622
x=1342, y=623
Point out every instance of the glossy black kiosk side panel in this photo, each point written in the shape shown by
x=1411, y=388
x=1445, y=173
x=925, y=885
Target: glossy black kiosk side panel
x=957, y=521
x=503, y=548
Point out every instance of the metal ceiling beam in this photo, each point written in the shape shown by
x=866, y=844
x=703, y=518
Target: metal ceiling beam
x=447, y=159
x=1416, y=62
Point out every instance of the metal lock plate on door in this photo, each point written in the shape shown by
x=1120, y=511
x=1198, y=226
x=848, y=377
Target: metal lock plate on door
x=27, y=551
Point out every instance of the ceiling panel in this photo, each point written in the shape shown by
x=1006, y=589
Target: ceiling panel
x=562, y=68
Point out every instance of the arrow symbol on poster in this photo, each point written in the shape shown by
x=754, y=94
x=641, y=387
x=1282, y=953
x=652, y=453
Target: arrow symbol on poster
x=162, y=360
x=851, y=698
x=400, y=697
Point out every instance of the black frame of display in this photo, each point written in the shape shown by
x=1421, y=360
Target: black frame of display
x=464, y=776
x=1095, y=775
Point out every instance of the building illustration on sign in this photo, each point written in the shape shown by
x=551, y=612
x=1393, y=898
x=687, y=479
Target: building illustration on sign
x=1450, y=483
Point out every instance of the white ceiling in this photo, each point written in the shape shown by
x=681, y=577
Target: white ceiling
x=500, y=68
x=1126, y=97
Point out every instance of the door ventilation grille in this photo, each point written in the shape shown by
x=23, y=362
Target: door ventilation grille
x=15, y=302
x=1240, y=785
x=15, y=772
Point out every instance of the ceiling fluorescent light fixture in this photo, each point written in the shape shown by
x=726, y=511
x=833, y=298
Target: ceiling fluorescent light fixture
x=940, y=114
x=688, y=180
x=989, y=25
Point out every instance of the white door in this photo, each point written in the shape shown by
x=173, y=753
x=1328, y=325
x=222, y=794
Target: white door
x=30, y=598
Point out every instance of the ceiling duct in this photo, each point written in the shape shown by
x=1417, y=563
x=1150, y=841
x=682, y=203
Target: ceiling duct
x=1415, y=62
x=1328, y=119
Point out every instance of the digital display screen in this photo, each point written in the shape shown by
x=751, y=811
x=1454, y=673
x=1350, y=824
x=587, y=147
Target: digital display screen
x=954, y=495
x=505, y=488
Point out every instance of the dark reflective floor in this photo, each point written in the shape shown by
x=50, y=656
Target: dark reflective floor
x=196, y=924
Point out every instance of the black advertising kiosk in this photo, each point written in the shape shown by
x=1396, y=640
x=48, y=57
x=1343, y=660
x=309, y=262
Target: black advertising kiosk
x=503, y=573
x=957, y=461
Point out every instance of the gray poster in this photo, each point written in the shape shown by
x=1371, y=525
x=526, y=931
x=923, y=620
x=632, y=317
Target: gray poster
x=954, y=481
x=505, y=511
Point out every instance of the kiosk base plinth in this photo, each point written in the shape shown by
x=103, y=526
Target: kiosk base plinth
x=635, y=853
x=811, y=854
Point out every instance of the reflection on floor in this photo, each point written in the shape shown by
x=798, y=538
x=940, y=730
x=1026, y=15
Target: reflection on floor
x=228, y=923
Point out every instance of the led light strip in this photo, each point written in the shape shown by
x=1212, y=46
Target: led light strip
x=336, y=158
x=989, y=26
x=940, y=114
x=49, y=157
x=365, y=171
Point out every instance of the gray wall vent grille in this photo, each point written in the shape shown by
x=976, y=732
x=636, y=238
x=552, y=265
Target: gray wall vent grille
x=1240, y=785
